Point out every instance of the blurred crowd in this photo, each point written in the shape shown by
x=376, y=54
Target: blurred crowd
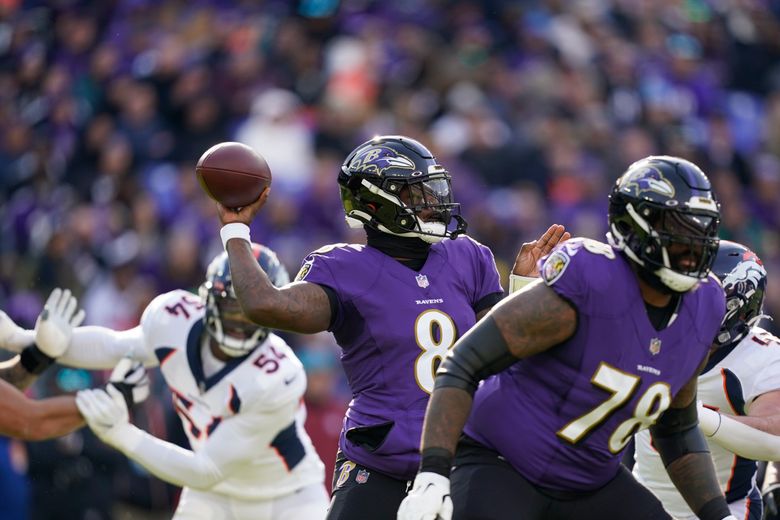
x=534, y=106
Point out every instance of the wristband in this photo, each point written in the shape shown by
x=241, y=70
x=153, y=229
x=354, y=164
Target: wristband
x=34, y=360
x=436, y=460
x=234, y=230
x=517, y=282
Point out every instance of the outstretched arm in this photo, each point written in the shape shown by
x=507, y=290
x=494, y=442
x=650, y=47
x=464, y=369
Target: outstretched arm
x=30, y=420
x=755, y=436
x=224, y=452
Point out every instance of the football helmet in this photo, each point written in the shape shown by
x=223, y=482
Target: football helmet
x=395, y=185
x=224, y=319
x=663, y=215
x=743, y=277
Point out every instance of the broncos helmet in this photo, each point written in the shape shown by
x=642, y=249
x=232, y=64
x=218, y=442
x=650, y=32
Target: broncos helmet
x=224, y=320
x=395, y=185
x=663, y=215
x=743, y=277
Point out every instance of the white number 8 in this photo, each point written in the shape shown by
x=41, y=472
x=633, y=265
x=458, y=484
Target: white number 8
x=433, y=348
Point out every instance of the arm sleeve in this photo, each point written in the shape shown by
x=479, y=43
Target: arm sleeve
x=224, y=452
x=98, y=348
x=737, y=437
x=21, y=339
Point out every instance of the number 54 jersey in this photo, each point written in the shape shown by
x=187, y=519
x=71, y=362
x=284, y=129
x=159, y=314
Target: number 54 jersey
x=248, y=414
x=394, y=326
x=562, y=418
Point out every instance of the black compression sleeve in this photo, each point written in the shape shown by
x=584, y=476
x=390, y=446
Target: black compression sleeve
x=333, y=300
x=488, y=302
x=715, y=509
x=676, y=434
x=481, y=352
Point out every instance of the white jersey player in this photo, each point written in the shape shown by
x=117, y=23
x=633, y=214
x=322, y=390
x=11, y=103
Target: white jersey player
x=238, y=392
x=739, y=393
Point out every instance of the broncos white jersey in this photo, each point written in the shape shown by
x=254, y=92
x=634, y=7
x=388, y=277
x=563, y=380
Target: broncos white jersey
x=733, y=378
x=262, y=383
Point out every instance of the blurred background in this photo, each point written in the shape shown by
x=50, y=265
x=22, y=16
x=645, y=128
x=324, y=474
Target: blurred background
x=534, y=106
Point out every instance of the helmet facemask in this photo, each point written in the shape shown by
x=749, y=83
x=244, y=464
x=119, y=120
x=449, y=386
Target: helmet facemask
x=678, y=247
x=226, y=323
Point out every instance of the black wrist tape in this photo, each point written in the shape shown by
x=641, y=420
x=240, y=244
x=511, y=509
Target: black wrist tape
x=34, y=360
x=436, y=460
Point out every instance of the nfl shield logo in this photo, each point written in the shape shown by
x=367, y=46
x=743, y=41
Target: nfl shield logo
x=655, y=346
x=362, y=476
x=422, y=280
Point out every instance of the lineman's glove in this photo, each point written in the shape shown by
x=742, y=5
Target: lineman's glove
x=429, y=499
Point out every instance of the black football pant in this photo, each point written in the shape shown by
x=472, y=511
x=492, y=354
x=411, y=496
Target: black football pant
x=360, y=493
x=485, y=487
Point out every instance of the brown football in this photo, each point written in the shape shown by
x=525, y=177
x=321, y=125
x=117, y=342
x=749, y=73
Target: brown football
x=233, y=174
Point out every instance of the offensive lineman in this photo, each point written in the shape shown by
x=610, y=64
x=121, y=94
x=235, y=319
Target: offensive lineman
x=742, y=382
x=608, y=343
x=237, y=389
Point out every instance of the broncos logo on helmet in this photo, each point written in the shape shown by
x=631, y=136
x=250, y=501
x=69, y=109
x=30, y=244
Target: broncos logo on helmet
x=380, y=159
x=744, y=281
x=647, y=178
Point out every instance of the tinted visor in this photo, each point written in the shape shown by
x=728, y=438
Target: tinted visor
x=430, y=198
x=690, y=240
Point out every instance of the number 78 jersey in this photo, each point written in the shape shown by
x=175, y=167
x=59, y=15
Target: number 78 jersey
x=394, y=325
x=562, y=418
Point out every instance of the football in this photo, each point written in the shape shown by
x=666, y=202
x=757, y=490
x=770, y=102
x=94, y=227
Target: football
x=233, y=174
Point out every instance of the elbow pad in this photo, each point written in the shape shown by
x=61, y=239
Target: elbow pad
x=481, y=352
x=676, y=434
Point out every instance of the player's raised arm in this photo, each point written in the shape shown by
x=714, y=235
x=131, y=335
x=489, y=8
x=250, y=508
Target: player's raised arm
x=299, y=307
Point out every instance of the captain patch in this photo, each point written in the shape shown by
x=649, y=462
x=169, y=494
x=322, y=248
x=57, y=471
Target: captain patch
x=554, y=266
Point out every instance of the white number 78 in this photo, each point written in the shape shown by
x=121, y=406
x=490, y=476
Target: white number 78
x=622, y=386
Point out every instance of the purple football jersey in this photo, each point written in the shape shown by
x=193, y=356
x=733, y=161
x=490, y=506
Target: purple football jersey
x=394, y=325
x=562, y=418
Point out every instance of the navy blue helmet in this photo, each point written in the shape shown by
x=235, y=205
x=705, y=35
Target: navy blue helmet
x=743, y=277
x=224, y=320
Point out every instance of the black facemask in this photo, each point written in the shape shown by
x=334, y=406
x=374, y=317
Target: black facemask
x=414, y=251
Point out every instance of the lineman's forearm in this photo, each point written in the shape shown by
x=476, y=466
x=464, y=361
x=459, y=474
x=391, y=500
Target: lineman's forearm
x=14, y=373
x=447, y=412
x=694, y=476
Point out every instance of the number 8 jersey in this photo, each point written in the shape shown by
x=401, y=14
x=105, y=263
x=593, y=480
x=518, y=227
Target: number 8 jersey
x=394, y=326
x=562, y=418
